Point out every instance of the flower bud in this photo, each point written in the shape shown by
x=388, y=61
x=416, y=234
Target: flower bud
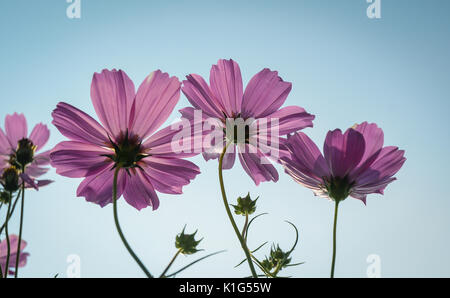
x=5, y=197
x=10, y=179
x=245, y=206
x=25, y=152
x=186, y=243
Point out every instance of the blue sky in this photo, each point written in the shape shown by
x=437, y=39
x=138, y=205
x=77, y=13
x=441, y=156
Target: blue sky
x=345, y=68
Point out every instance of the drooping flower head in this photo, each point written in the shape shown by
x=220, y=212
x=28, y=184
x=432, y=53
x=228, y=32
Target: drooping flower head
x=14, y=240
x=354, y=163
x=225, y=99
x=19, y=150
x=126, y=139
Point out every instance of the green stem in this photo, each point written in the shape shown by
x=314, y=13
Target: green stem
x=11, y=212
x=7, y=240
x=22, y=202
x=170, y=264
x=119, y=230
x=230, y=216
x=244, y=229
x=333, y=262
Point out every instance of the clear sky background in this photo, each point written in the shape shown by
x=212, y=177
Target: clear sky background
x=345, y=68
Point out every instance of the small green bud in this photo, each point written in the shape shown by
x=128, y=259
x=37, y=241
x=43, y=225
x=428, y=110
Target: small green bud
x=267, y=265
x=5, y=197
x=279, y=257
x=245, y=206
x=187, y=243
x=10, y=179
x=25, y=152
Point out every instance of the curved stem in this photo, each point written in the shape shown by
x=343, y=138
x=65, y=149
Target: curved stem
x=244, y=229
x=22, y=203
x=7, y=240
x=170, y=264
x=230, y=216
x=334, y=239
x=12, y=211
x=119, y=230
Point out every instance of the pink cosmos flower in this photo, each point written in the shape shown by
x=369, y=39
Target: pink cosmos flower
x=225, y=99
x=17, y=149
x=354, y=163
x=13, y=255
x=126, y=139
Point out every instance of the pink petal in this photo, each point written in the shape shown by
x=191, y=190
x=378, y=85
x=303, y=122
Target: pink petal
x=39, y=136
x=265, y=93
x=387, y=164
x=5, y=146
x=29, y=182
x=374, y=139
x=16, y=128
x=306, y=157
x=35, y=171
x=164, y=142
x=139, y=192
x=201, y=97
x=42, y=159
x=253, y=166
x=169, y=175
x=78, y=126
x=112, y=94
x=76, y=159
x=343, y=152
x=226, y=83
x=290, y=119
x=155, y=100
x=98, y=188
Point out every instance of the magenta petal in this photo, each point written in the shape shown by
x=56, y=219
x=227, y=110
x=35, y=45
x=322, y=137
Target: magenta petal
x=98, y=188
x=255, y=168
x=29, y=182
x=387, y=164
x=201, y=97
x=291, y=119
x=16, y=128
x=229, y=157
x=343, y=152
x=36, y=171
x=112, y=94
x=139, y=192
x=45, y=182
x=42, y=159
x=374, y=139
x=155, y=100
x=78, y=126
x=265, y=93
x=169, y=175
x=306, y=156
x=5, y=146
x=76, y=160
x=39, y=136
x=226, y=83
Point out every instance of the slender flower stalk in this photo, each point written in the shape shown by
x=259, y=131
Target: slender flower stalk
x=11, y=212
x=7, y=239
x=170, y=263
x=230, y=216
x=119, y=230
x=22, y=206
x=333, y=261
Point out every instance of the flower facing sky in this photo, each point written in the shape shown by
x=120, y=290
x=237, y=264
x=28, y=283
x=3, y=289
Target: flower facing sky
x=354, y=163
x=225, y=99
x=13, y=256
x=126, y=139
x=18, y=150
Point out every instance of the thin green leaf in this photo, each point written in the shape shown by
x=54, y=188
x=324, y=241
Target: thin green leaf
x=196, y=261
x=250, y=222
x=296, y=237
